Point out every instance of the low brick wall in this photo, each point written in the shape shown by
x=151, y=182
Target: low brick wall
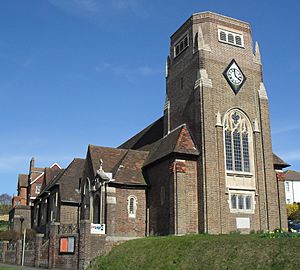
x=29, y=258
x=44, y=252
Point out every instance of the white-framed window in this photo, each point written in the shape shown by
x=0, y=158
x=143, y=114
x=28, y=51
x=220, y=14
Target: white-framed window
x=181, y=45
x=132, y=206
x=241, y=201
x=287, y=186
x=238, y=143
x=232, y=38
x=38, y=188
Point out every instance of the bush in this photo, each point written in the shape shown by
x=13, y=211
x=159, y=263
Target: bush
x=292, y=211
x=279, y=233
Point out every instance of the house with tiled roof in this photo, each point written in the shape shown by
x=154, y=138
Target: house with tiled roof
x=59, y=198
x=28, y=188
x=292, y=186
x=21, y=197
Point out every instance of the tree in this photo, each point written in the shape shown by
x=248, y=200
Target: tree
x=5, y=199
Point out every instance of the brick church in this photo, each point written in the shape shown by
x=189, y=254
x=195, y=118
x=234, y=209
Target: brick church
x=205, y=166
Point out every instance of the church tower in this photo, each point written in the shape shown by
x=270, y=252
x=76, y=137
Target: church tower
x=215, y=86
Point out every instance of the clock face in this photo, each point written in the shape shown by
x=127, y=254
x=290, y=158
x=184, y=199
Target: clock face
x=234, y=76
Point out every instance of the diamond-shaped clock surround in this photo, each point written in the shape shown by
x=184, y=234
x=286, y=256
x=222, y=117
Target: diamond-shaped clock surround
x=236, y=88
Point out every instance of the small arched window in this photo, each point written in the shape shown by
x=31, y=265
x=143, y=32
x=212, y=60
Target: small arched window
x=230, y=38
x=238, y=40
x=223, y=36
x=132, y=206
x=237, y=140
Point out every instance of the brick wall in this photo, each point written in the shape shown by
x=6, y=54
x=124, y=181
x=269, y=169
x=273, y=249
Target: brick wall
x=172, y=197
x=196, y=102
x=68, y=214
x=118, y=221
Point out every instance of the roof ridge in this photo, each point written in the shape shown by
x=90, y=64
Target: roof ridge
x=173, y=130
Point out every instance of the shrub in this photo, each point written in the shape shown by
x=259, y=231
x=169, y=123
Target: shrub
x=291, y=210
x=279, y=233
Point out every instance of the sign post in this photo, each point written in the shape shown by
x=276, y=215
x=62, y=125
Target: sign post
x=23, y=247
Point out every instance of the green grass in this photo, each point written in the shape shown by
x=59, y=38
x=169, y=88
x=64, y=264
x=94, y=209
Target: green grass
x=3, y=226
x=7, y=268
x=242, y=252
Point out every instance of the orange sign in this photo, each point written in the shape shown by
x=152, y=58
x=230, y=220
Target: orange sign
x=63, y=245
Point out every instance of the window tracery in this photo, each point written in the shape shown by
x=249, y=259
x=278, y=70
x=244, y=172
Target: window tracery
x=237, y=138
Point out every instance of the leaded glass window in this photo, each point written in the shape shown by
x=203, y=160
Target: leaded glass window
x=241, y=201
x=248, y=202
x=237, y=138
x=228, y=150
x=237, y=151
x=233, y=201
x=246, y=152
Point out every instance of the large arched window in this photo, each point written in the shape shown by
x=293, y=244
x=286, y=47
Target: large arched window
x=238, y=140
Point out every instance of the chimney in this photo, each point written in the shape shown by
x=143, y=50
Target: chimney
x=31, y=165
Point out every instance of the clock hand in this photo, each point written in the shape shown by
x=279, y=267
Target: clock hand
x=236, y=76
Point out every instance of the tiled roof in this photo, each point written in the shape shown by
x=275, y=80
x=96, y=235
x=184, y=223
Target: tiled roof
x=110, y=157
x=69, y=181
x=23, y=180
x=177, y=141
x=146, y=137
x=279, y=162
x=50, y=174
x=129, y=171
x=291, y=175
x=125, y=165
x=54, y=180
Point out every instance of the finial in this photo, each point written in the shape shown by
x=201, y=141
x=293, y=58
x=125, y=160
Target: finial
x=201, y=44
x=257, y=57
x=256, y=128
x=219, y=120
x=101, y=163
x=262, y=91
x=167, y=66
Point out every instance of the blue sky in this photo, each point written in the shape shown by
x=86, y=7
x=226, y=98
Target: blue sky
x=79, y=72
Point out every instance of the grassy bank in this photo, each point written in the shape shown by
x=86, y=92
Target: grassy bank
x=203, y=252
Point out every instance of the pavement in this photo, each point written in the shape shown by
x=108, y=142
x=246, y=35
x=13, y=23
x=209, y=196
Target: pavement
x=17, y=267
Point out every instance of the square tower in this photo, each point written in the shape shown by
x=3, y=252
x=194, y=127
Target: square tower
x=215, y=86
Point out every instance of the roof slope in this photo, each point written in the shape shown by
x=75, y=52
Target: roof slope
x=50, y=174
x=125, y=165
x=291, y=175
x=279, y=162
x=110, y=157
x=129, y=171
x=147, y=136
x=69, y=181
x=178, y=141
